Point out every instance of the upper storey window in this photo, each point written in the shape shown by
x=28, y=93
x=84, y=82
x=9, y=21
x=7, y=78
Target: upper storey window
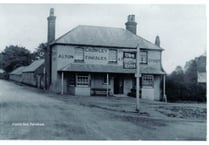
x=112, y=56
x=144, y=57
x=79, y=54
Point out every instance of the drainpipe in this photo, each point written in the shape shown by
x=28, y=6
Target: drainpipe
x=107, y=82
x=164, y=94
x=62, y=84
x=44, y=71
x=137, y=75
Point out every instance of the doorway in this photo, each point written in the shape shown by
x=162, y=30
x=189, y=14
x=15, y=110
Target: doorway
x=118, y=85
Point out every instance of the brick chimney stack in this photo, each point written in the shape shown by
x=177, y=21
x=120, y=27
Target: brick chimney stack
x=131, y=25
x=51, y=26
x=50, y=38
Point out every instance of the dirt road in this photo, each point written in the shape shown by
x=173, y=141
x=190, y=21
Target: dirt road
x=28, y=113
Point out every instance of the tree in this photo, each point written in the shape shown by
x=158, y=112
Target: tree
x=182, y=84
x=191, y=72
x=39, y=52
x=195, y=90
x=15, y=56
x=175, y=84
x=1, y=60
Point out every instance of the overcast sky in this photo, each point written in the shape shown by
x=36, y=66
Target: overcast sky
x=182, y=28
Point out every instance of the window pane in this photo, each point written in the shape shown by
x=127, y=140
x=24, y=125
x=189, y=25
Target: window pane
x=148, y=80
x=82, y=80
x=79, y=54
x=112, y=56
x=143, y=56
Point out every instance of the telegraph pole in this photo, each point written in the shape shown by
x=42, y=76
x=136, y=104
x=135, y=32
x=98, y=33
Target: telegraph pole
x=137, y=75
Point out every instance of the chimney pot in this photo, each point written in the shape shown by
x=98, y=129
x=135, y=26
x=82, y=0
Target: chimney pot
x=51, y=12
x=131, y=18
x=157, y=41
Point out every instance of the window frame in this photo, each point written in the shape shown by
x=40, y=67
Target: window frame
x=116, y=56
x=148, y=81
x=82, y=80
x=146, y=59
x=79, y=60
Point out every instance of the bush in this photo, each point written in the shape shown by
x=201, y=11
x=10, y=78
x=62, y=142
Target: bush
x=183, y=86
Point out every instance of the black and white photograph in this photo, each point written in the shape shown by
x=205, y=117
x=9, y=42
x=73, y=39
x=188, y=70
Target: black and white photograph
x=133, y=72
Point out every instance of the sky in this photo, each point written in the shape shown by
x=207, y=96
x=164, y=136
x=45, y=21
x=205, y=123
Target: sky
x=182, y=28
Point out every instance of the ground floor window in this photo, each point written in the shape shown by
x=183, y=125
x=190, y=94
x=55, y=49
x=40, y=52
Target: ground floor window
x=82, y=80
x=148, y=80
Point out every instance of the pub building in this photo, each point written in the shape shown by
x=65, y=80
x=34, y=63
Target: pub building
x=95, y=60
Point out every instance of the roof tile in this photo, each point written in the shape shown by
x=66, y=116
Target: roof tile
x=81, y=67
x=104, y=36
x=18, y=71
x=34, y=65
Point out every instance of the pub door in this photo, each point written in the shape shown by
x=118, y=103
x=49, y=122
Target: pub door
x=118, y=85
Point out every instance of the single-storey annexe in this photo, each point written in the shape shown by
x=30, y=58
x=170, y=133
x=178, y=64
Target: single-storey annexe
x=33, y=74
x=16, y=75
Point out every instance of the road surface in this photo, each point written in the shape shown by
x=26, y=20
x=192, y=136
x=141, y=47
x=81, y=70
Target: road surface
x=29, y=113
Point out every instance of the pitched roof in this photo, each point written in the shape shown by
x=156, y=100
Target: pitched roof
x=80, y=67
x=34, y=65
x=104, y=36
x=18, y=71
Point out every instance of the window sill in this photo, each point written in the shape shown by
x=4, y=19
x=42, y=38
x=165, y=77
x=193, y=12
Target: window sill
x=147, y=87
x=79, y=61
x=143, y=63
x=112, y=62
x=106, y=83
x=80, y=86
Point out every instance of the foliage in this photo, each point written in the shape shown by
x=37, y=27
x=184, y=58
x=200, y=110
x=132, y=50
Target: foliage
x=39, y=52
x=1, y=59
x=182, y=85
x=13, y=57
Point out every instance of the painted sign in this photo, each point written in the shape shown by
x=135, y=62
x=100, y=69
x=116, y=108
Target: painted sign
x=129, y=60
x=95, y=55
x=65, y=55
x=98, y=50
